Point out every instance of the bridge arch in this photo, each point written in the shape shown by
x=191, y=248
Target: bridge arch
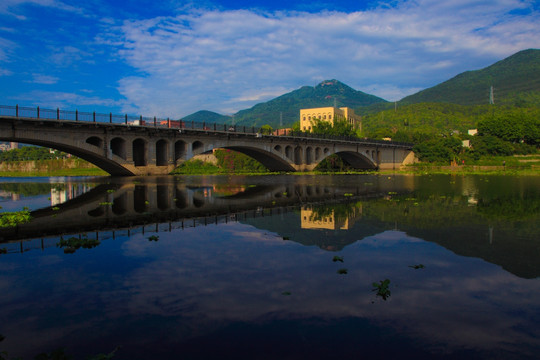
x=162, y=152
x=271, y=161
x=298, y=155
x=179, y=149
x=96, y=141
x=289, y=152
x=309, y=155
x=357, y=160
x=140, y=149
x=197, y=146
x=118, y=147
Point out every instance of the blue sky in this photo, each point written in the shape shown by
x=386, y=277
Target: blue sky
x=172, y=58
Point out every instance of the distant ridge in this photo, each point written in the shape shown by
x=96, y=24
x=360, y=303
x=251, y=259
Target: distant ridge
x=208, y=116
x=515, y=81
x=288, y=105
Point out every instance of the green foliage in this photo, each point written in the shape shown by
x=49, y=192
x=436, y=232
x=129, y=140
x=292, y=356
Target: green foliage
x=338, y=128
x=30, y=153
x=513, y=125
x=444, y=149
x=337, y=258
x=74, y=243
x=266, y=129
x=11, y=219
x=196, y=167
x=382, y=289
x=234, y=162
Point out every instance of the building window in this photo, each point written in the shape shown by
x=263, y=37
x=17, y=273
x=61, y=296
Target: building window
x=330, y=117
x=304, y=128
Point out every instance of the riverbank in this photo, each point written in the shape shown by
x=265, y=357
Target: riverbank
x=79, y=167
x=57, y=167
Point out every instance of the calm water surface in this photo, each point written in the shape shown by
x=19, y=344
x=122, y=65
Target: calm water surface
x=276, y=267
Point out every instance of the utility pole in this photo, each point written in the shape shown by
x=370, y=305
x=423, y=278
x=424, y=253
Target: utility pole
x=491, y=98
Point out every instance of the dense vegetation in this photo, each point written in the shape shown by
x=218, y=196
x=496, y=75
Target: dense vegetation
x=31, y=153
x=228, y=161
x=439, y=129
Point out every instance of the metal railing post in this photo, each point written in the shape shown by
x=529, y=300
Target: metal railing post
x=203, y=125
x=110, y=117
x=76, y=115
x=155, y=121
x=17, y=110
x=126, y=119
x=168, y=123
x=57, y=114
x=94, y=116
x=192, y=124
x=38, y=112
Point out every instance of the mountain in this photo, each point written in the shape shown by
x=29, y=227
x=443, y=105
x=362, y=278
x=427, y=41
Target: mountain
x=288, y=105
x=515, y=81
x=208, y=117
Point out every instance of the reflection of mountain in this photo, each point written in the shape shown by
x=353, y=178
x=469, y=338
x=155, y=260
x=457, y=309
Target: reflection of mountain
x=503, y=228
x=318, y=233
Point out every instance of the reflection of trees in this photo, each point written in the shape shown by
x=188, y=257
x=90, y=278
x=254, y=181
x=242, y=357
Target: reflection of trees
x=340, y=212
x=27, y=189
x=510, y=208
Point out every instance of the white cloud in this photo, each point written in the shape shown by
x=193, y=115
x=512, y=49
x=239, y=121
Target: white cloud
x=44, y=79
x=65, y=100
x=232, y=59
x=12, y=7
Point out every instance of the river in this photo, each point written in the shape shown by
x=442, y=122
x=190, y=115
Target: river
x=272, y=267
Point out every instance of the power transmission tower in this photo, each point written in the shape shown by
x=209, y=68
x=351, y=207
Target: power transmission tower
x=491, y=98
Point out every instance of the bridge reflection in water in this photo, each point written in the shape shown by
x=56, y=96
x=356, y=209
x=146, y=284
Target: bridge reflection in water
x=154, y=204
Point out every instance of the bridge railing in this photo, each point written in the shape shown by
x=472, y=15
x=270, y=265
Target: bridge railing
x=130, y=120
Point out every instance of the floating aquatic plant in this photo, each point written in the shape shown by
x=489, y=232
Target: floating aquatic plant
x=342, y=271
x=105, y=203
x=153, y=238
x=337, y=258
x=74, y=243
x=416, y=267
x=286, y=293
x=382, y=288
x=14, y=218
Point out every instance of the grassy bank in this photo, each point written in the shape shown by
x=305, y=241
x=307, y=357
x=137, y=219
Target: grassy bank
x=56, y=167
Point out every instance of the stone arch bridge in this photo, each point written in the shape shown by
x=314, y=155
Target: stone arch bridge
x=151, y=148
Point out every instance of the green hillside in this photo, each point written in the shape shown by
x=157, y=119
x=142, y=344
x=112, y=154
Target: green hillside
x=208, y=117
x=515, y=81
x=288, y=105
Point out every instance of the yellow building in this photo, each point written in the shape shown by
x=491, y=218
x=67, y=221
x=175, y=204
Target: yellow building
x=310, y=219
x=329, y=114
